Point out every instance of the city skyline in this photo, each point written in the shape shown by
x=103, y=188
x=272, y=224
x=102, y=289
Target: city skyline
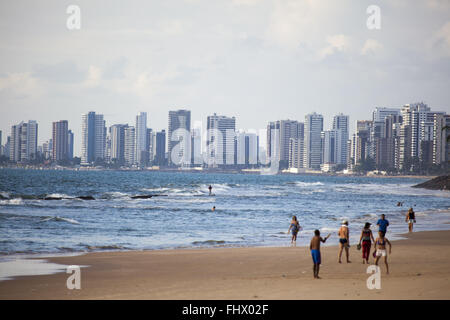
x=257, y=60
x=406, y=138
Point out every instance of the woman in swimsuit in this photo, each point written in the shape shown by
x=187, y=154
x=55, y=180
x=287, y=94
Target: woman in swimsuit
x=295, y=227
x=411, y=219
x=366, y=239
x=380, y=249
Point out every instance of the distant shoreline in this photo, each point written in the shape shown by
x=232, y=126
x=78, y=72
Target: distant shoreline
x=221, y=171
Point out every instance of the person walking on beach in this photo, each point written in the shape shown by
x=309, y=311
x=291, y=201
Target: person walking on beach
x=366, y=239
x=295, y=227
x=380, y=249
x=210, y=190
x=411, y=219
x=314, y=246
x=344, y=240
x=382, y=224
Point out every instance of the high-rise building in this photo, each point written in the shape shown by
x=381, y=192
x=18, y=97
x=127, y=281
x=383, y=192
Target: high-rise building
x=360, y=141
x=179, y=119
x=313, y=141
x=287, y=130
x=117, y=133
x=6, y=147
x=221, y=140
x=60, y=137
x=296, y=150
x=93, y=135
x=247, y=147
x=330, y=147
x=196, y=146
x=441, y=146
x=129, y=145
x=160, y=152
x=341, y=126
x=149, y=146
x=412, y=133
x=23, y=146
x=71, y=141
x=141, y=156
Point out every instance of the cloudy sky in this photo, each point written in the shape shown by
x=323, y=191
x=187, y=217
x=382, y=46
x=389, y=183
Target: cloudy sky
x=258, y=60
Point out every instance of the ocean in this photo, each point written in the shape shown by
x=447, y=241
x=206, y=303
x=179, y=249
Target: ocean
x=251, y=210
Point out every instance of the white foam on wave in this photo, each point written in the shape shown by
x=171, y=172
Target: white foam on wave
x=308, y=184
x=10, y=268
x=17, y=201
x=56, y=218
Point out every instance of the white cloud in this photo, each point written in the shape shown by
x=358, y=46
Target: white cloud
x=371, y=46
x=441, y=40
x=336, y=43
x=94, y=77
x=20, y=85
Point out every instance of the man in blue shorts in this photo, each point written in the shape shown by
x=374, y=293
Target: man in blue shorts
x=314, y=246
x=382, y=224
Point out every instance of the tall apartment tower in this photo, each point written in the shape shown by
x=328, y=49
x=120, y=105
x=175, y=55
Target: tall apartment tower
x=341, y=126
x=141, y=152
x=179, y=119
x=129, y=146
x=117, y=133
x=441, y=147
x=247, y=149
x=23, y=143
x=287, y=130
x=221, y=140
x=60, y=138
x=160, y=152
x=70, y=142
x=313, y=141
x=93, y=137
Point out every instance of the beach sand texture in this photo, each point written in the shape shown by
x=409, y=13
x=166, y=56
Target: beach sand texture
x=419, y=266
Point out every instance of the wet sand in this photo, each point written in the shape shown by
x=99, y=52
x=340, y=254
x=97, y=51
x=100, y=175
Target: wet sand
x=419, y=269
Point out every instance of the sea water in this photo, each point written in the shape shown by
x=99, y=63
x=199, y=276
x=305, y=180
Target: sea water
x=251, y=210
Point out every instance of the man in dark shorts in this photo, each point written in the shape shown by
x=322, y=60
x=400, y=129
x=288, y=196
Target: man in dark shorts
x=314, y=246
x=344, y=241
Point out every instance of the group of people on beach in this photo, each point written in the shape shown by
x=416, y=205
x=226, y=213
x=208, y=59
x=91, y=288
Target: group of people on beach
x=365, y=241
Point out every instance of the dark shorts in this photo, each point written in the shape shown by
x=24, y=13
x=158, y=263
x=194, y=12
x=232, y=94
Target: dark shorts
x=294, y=232
x=315, y=256
x=343, y=241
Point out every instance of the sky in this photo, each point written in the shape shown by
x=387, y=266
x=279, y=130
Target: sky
x=257, y=60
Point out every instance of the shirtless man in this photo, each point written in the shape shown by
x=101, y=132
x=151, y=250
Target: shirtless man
x=344, y=240
x=380, y=249
x=314, y=246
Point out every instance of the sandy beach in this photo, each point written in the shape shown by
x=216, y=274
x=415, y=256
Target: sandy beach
x=419, y=266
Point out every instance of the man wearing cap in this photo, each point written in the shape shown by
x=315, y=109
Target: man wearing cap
x=382, y=224
x=344, y=240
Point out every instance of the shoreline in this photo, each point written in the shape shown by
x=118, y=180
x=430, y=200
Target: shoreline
x=418, y=271
x=231, y=171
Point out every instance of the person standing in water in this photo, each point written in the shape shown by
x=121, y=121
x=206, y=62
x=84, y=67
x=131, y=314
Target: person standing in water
x=380, y=249
x=314, y=246
x=210, y=190
x=411, y=219
x=295, y=227
x=366, y=238
x=344, y=241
